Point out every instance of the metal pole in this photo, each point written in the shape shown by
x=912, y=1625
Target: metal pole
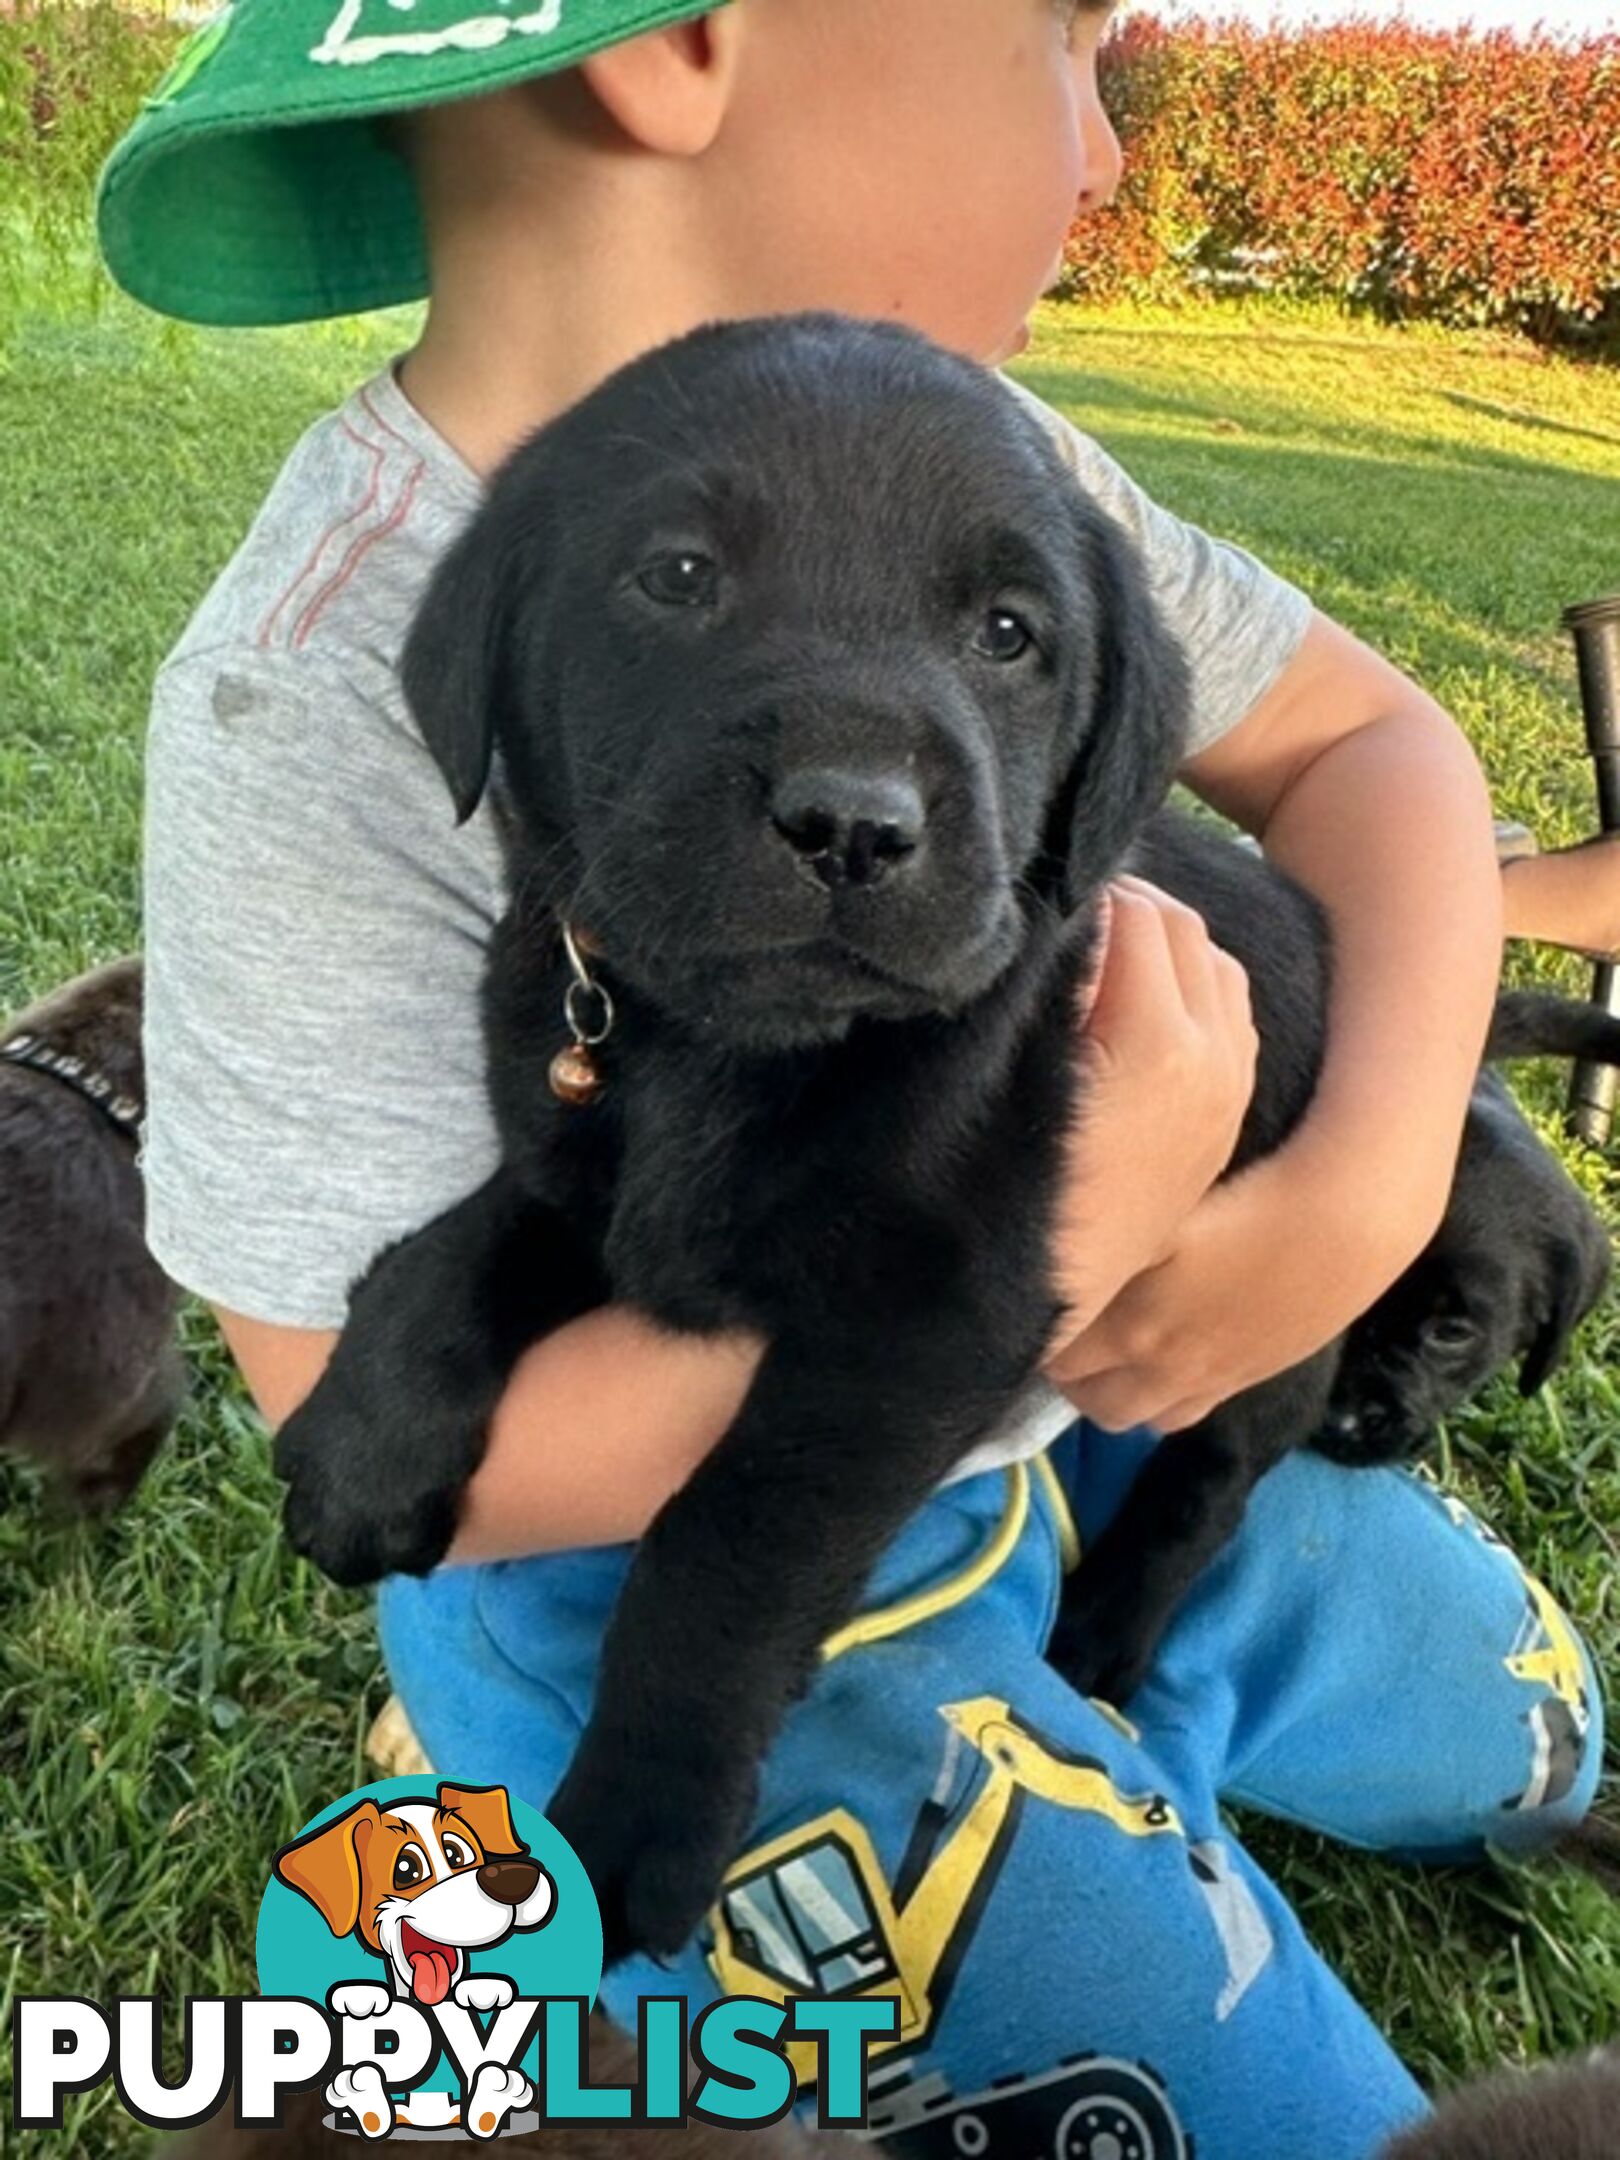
x=1595, y=627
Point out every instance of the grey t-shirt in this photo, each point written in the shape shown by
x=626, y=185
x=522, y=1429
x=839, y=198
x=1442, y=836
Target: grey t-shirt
x=315, y=920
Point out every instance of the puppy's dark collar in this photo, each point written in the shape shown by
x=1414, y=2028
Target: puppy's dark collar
x=120, y=1110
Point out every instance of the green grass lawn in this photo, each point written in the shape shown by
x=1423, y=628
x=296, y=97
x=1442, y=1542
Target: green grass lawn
x=176, y=1695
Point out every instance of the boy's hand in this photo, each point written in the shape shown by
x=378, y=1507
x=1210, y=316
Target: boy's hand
x=1361, y=787
x=1248, y=1288
x=1168, y=1063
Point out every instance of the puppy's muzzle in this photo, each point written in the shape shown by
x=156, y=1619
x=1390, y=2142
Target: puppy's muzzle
x=1371, y=1432
x=1342, y=1437
x=508, y=1882
x=844, y=827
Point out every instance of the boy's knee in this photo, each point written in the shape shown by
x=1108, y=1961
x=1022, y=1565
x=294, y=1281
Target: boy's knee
x=1532, y=1718
x=1564, y=1734
x=1551, y=1747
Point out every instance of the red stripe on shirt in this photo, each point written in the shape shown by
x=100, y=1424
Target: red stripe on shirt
x=378, y=455
x=358, y=551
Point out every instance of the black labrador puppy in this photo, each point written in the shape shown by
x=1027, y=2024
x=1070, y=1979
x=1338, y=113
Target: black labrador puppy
x=825, y=707
x=822, y=706
x=1520, y=1260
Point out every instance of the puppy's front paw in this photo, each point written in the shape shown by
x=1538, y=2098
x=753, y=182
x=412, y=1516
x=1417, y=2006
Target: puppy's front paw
x=366, y=1496
x=655, y=1835
x=1102, y=1647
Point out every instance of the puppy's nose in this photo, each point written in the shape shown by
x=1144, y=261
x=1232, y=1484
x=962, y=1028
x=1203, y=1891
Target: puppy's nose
x=508, y=1882
x=847, y=828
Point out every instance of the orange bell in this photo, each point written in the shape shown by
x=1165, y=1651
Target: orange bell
x=575, y=1076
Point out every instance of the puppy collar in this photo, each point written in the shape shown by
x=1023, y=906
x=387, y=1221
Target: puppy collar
x=575, y=1076
x=33, y=1050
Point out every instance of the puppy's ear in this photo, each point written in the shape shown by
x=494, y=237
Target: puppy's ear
x=1577, y=1274
x=457, y=664
x=325, y=1865
x=487, y=1812
x=1133, y=718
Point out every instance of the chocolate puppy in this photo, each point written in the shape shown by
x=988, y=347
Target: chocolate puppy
x=1568, y=2111
x=91, y=1377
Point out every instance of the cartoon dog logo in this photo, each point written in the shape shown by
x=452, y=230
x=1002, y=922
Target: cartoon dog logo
x=420, y=1885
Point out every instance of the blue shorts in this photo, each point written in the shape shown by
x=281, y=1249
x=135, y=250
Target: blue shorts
x=1087, y=1961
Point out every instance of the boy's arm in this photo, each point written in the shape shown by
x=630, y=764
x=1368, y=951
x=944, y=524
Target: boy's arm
x=599, y=1424
x=604, y=1419
x=1365, y=790
x=316, y=929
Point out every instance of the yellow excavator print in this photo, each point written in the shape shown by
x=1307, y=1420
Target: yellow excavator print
x=813, y=1912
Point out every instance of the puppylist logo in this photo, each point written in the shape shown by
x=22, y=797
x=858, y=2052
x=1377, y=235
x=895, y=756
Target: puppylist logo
x=428, y=1954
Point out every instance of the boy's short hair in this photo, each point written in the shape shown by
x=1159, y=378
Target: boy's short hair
x=256, y=185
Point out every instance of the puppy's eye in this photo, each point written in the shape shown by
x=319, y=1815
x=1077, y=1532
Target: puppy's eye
x=409, y=1869
x=456, y=1853
x=1450, y=1332
x=684, y=580
x=1003, y=636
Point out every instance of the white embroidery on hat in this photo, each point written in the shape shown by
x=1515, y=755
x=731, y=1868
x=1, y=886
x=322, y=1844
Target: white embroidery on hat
x=471, y=33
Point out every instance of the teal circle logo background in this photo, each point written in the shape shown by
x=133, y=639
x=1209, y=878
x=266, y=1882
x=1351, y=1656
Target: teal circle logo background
x=297, y=1953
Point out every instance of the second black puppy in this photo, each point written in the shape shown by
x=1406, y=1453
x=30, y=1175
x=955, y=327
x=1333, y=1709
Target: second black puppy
x=1520, y=1260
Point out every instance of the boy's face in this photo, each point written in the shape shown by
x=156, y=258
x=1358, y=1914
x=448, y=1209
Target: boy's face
x=917, y=159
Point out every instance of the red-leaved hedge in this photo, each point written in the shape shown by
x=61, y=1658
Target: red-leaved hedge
x=1466, y=177
x=1474, y=179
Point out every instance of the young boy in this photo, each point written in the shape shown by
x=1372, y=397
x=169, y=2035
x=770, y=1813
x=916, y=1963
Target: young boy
x=942, y=1819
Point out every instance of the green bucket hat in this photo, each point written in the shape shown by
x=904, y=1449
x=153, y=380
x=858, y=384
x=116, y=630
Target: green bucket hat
x=254, y=187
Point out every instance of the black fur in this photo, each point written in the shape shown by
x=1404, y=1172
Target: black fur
x=1191, y=1492
x=1539, y=1023
x=1522, y=1256
x=835, y=1105
x=742, y=639
x=1520, y=1260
